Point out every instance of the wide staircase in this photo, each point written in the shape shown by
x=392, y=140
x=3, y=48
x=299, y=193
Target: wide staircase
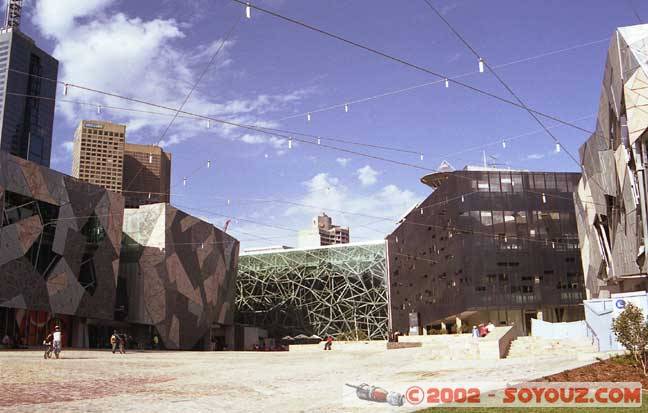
x=529, y=346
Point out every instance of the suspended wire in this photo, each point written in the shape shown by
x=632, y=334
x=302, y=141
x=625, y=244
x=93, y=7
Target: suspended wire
x=414, y=66
x=510, y=90
x=435, y=82
x=191, y=90
x=634, y=11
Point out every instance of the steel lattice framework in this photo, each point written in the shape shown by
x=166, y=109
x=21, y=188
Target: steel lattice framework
x=336, y=290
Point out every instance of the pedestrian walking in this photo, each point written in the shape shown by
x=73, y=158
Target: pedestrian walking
x=56, y=336
x=122, y=343
x=329, y=343
x=156, y=341
x=114, y=339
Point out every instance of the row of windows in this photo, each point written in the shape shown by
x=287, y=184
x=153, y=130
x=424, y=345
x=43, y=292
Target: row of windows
x=516, y=182
x=90, y=131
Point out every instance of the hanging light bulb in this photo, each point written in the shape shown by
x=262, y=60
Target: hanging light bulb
x=228, y=202
x=544, y=198
x=421, y=211
x=248, y=11
x=265, y=156
x=184, y=181
x=346, y=107
x=421, y=156
x=150, y=158
x=481, y=65
x=553, y=244
x=308, y=117
x=289, y=143
x=208, y=164
x=65, y=89
x=504, y=144
x=505, y=238
x=462, y=198
x=557, y=147
x=208, y=123
x=318, y=141
x=98, y=109
x=447, y=82
x=202, y=245
x=149, y=195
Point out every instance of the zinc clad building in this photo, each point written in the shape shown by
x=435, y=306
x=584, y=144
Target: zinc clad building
x=487, y=244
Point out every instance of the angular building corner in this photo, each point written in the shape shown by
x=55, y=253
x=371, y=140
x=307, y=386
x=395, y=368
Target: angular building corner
x=610, y=201
x=59, y=242
x=180, y=274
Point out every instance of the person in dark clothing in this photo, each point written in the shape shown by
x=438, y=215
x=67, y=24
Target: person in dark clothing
x=122, y=344
x=329, y=343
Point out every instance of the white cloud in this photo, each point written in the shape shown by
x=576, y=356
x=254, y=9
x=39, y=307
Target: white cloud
x=367, y=175
x=68, y=146
x=57, y=17
x=279, y=144
x=110, y=51
x=536, y=156
x=369, y=215
x=343, y=161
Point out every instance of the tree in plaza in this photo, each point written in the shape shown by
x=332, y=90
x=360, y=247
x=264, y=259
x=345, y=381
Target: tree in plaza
x=631, y=330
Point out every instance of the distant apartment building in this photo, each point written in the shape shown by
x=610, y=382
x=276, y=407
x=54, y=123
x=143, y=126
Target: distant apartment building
x=147, y=175
x=26, y=71
x=98, y=153
x=322, y=233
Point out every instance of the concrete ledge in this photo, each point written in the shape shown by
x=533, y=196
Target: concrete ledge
x=395, y=346
x=373, y=345
x=496, y=344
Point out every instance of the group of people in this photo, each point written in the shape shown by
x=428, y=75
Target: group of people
x=118, y=342
x=483, y=330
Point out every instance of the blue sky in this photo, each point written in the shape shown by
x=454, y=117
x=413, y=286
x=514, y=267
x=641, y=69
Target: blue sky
x=270, y=70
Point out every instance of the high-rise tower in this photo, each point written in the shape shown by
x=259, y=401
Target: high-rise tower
x=28, y=78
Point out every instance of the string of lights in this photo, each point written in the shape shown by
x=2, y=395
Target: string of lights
x=482, y=63
x=446, y=79
x=352, y=102
x=186, y=99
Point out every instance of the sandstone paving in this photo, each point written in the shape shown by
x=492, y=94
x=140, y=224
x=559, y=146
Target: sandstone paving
x=98, y=381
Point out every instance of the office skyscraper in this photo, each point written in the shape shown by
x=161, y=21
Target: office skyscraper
x=98, y=153
x=25, y=72
x=147, y=175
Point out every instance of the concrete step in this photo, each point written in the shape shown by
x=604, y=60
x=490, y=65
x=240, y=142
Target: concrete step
x=529, y=346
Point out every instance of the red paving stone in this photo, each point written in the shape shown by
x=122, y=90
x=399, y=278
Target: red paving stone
x=53, y=392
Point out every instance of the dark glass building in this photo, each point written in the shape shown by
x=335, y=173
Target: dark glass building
x=26, y=122
x=487, y=244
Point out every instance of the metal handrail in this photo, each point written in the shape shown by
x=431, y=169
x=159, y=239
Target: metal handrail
x=594, y=336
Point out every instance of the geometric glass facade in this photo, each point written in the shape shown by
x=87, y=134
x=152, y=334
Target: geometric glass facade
x=611, y=199
x=487, y=244
x=71, y=255
x=59, y=245
x=177, y=273
x=335, y=290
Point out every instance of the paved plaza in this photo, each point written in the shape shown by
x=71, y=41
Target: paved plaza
x=234, y=381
